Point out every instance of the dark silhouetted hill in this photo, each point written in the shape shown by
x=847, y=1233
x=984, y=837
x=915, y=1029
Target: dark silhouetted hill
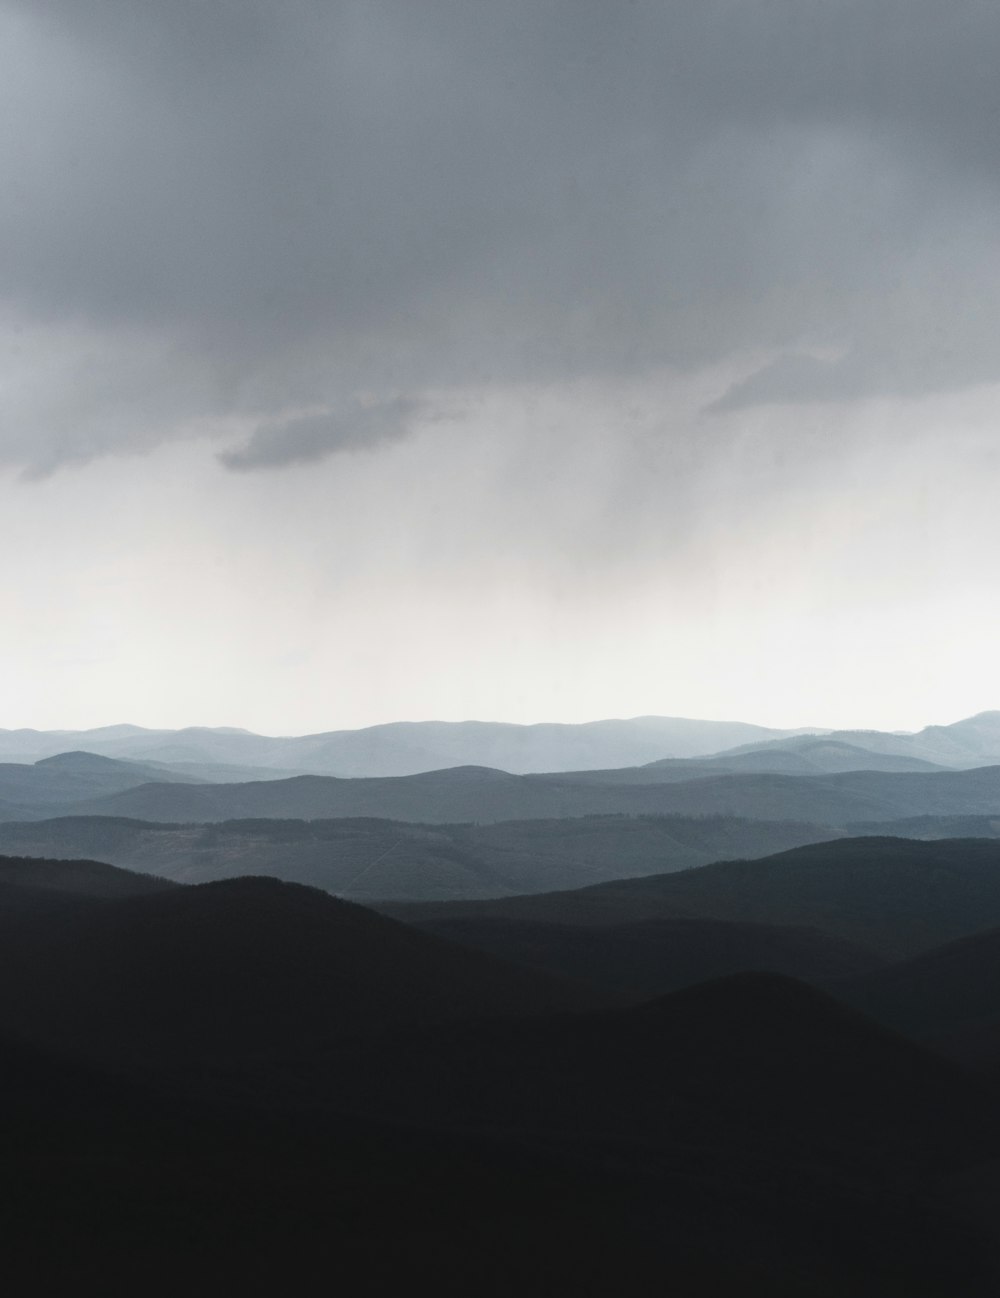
x=894, y=896
x=77, y=877
x=644, y=960
x=948, y=997
x=190, y=977
x=742, y=1063
x=747, y=1133
x=250, y=1086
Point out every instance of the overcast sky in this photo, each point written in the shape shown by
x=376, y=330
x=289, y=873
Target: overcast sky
x=513, y=359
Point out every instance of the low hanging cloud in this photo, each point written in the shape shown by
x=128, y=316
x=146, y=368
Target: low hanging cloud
x=309, y=438
x=791, y=377
x=290, y=203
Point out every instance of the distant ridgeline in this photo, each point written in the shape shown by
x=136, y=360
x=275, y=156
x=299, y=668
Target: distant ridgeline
x=407, y=748
x=474, y=832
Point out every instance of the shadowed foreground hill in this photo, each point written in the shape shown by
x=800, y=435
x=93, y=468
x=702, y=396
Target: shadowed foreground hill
x=640, y=961
x=896, y=896
x=305, y=1091
x=746, y=1061
x=766, y=1091
x=38, y=896
x=748, y=1135
x=948, y=997
x=191, y=976
x=77, y=877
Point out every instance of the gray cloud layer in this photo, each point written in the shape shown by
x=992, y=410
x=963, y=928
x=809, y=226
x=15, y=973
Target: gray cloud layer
x=218, y=210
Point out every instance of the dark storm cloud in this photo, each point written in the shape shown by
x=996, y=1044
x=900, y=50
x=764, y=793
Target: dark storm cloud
x=293, y=202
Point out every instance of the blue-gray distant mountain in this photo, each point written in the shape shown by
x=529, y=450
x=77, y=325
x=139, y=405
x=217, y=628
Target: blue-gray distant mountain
x=73, y=777
x=403, y=748
x=802, y=755
x=975, y=741
x=68, y=780
x=480, y=794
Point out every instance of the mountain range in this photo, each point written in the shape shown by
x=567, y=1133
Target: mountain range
x=364, y=859
x=973, y=741
x=698, y=1017
x=401, y=748
x=407, y=748
x=75, y=779
x=372, y=859
x=823, y=779
x=468, y=832
x=253, y=1085
x=482, y=795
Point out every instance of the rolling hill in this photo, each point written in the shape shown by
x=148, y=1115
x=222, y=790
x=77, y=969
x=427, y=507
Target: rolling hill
x=182, y=979
x=70, y=778
x=894, y=896
x=484, y=795
x=371, y=859
x=251, y=1084
x=741, y=1063
x=948, y=997
x=76, y=877
x=641, y=961
x=366, y=859
x=806, y=755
